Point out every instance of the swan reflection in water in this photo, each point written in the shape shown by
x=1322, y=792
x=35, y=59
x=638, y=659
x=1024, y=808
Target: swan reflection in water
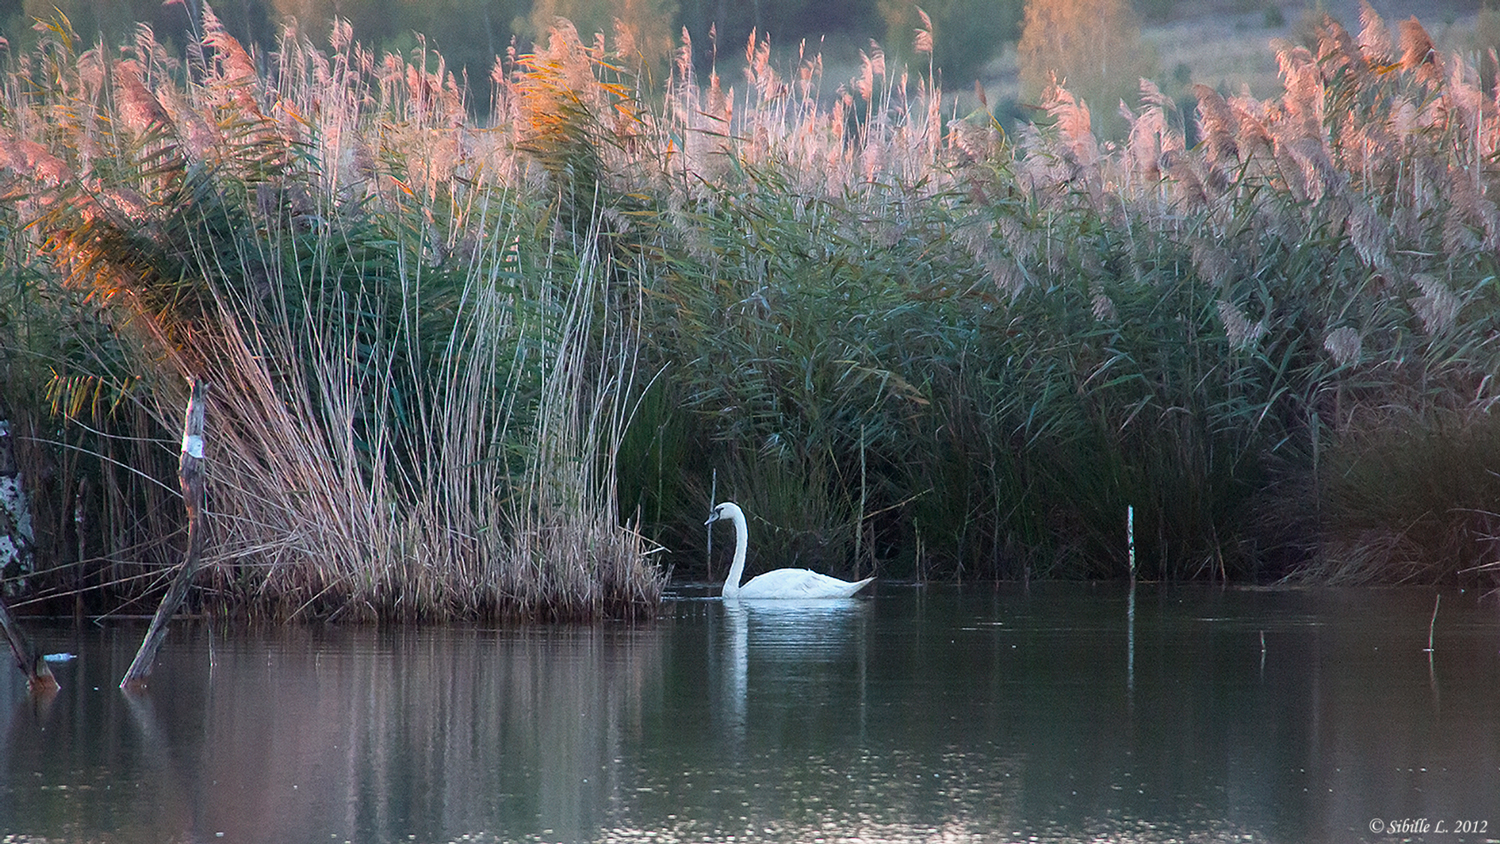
x=786, y=652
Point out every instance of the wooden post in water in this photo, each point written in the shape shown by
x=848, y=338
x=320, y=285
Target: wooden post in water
x=190, y=475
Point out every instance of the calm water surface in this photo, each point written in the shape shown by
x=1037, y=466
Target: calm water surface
x=937, y=714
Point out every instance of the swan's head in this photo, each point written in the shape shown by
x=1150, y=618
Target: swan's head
x=723, y=511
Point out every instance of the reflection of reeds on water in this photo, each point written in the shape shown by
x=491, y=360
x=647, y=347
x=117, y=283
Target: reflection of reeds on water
x=382, y=733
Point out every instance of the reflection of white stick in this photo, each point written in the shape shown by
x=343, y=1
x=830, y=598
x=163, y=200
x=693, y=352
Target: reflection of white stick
x=1433, y=624
x=1130, y=537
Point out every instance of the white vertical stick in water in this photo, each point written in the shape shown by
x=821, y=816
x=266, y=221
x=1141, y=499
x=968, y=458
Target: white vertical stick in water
x=1130, y=537
x=1432, y=625
x=713, y=502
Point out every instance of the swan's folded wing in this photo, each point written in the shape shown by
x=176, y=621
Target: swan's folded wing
x=799, y=583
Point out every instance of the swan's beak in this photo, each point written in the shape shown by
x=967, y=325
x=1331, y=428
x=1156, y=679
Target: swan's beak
x=712, y=517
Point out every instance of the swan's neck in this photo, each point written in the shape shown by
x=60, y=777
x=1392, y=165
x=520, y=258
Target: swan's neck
x=741, y=543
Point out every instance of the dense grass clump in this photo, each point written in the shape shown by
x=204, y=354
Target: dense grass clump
x=449, y=359
x=415, y=396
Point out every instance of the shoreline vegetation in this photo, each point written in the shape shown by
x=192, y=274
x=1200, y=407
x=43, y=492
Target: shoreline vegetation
x=465, y=369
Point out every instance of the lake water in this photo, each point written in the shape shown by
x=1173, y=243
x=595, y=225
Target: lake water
x=1066, y=713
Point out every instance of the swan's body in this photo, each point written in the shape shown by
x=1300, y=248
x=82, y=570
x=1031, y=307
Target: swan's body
x=781, y=583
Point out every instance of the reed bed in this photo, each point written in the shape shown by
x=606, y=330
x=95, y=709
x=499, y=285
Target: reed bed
x=451, y=357
x=414, y=399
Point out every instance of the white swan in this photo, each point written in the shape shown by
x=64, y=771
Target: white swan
x=781, y=583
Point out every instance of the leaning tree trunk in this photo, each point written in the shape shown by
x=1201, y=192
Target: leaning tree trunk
x=16, y=547
x=28, y=657
x=190, y=475
x=15, y=560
